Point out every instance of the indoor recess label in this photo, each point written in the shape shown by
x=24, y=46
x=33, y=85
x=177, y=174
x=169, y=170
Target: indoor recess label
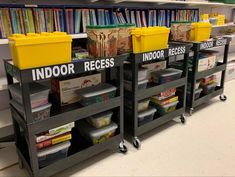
x=177, y=51
x=99, y=64
x=206, y=45
x=221, y=42
x=54, y=71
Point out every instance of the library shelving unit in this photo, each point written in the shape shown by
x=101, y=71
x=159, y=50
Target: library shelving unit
x=26, y=129
x=136, y=95
x=194, y=75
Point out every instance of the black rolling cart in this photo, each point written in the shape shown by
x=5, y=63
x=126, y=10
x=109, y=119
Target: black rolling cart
x=26, y=129
x=194, y=75
x=135, y=94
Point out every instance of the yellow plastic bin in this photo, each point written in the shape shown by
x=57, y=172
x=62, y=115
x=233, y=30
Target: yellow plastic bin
x=36, y=50
x=149, y=39
x=201, y=31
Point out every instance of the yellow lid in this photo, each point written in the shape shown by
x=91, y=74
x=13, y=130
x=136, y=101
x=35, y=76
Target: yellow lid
x=43, y=38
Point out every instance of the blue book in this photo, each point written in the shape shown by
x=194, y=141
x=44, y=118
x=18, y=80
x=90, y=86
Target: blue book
x=107, y=17
x=77, y=20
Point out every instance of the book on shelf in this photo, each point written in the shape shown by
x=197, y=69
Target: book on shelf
x=77, y=20
x=59, y=20
x=54, y=140
x=5, y=23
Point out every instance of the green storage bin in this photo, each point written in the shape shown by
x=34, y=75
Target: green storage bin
x=224, y=1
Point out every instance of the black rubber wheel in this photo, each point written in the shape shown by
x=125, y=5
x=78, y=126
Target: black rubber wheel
x=182, y=119
x=223, y=98
x=191, y=111
x=123, y=149
x=136, y=143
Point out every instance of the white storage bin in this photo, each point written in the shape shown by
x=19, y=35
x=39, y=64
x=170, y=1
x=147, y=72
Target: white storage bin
x=52, y=154
x=38, y=94
x=101, y=119
x=142, y=73
x=141, y=84
x=146, y=116
x=96, y=94
x=142, y=105
x=38, y=113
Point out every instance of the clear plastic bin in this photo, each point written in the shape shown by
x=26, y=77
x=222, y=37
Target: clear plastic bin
x=52, y=154
x=95, y=135
x=142, y=105
x=36, y=50
x=146, y=116
x=102, y=40
x=38, y=94
x=207, y=89
x=142, y=73
x=96, y=94
x=141, y=38
x=167, y=75
x=124, y=38
x=208, y=80
x=180, y=31
x=197, y=94
x=38, y=113
x=101, y=119
x=166, y=94
x=141, y=84
x=165, y=109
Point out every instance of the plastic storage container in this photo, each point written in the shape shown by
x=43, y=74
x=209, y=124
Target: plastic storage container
x=124, y=38
x=101, y=119
x=142, y=36
x=38, y=113
x=197, y=93
x=142, y=105
x=142, y=73
x=52, y=154
x=102, y=40
x=200, y=31
x=96, y=94
x=164, y=101
x=207, y=89
x=146, y=116
x=95, y=135
x=38, y=94
x=209, y=80
x=166, y=94
x=180, y=31
x=35, y=50
x=141, y=84
x=165, y=109
x=167, y=75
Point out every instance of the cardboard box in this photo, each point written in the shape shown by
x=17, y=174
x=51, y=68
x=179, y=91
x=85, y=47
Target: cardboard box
x=64, y=89
x=154, y=67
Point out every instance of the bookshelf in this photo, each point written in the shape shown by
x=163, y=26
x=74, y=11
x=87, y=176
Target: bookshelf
x=187, y=3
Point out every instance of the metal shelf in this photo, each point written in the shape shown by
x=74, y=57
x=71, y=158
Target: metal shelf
x=159, y=121
x=71, y=116
x=218, y=68
x=73, y=159
x=208, y=97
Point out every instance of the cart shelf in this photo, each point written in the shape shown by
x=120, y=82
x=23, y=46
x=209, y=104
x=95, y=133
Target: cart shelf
x=151, y=91
x=218, y=91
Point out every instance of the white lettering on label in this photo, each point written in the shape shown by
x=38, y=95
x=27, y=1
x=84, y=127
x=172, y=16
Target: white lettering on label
x=55, y=71
x=99, y=64
x=153, y=55
x=206, y=45
x=177, y=51
x=221, y=42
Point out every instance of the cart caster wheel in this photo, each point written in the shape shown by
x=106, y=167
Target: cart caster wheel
x=21, y=165
x=191, y=111
x=183, y=119
x=136, y=143
x=223, y=98
x=122, y=148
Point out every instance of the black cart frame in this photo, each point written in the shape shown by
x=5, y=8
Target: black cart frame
x=27, y=151
x=131, y=123
x=194, y=75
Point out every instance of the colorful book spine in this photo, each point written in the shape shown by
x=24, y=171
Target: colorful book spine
x=127, y=13
x=107, y=17
x=77, y=21
x=133, y=19
x=143, y=21
x=138, y=19
x=85, y=19
x=53, y=141
x=61, y=128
